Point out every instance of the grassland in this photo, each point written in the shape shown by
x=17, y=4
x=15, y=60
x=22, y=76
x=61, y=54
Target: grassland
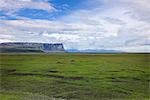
x=75, y=76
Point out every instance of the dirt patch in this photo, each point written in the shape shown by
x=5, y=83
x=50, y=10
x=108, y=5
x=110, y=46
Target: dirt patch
x=123, y=77
x=47, y=75
x=130, y=78
x=111, y=78
x=70, y=83
x=11, y=71
x=122, y=91
x=25, y=74
x=72, y=60
x=135, y=78
x=113, y=71
x=53, y=71
x=138, y=70
x=118, y=80
x=71, y=71
x=75, y=78
x=58, y=62
x=66, y=78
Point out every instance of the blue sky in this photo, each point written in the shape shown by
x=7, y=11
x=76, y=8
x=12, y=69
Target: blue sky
x=61, y=8
x=78, y=24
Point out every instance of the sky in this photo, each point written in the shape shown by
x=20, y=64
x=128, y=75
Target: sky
x=79, y=24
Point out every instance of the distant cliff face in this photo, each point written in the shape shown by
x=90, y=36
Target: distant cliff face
x=52, y=47
x=30, y=47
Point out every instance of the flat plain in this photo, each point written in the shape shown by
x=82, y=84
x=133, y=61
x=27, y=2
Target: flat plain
x=75, y=76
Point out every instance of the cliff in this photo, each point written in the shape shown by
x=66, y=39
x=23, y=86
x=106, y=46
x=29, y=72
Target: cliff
x=31, y=47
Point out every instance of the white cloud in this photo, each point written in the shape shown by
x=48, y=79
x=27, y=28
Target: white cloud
x=63, y=37
x=12, y=6
x=143, y=48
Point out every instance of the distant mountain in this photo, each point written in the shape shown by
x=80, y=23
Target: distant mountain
x=26, y=47
x=93, y=51
x=72, y=50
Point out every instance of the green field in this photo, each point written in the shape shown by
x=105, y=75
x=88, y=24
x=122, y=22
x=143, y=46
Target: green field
x=74, y=76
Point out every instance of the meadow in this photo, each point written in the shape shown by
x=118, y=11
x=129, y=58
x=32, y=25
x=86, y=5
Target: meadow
x=74, y=76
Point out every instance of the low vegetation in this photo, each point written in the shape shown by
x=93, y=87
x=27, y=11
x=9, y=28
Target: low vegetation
x=74, y=76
